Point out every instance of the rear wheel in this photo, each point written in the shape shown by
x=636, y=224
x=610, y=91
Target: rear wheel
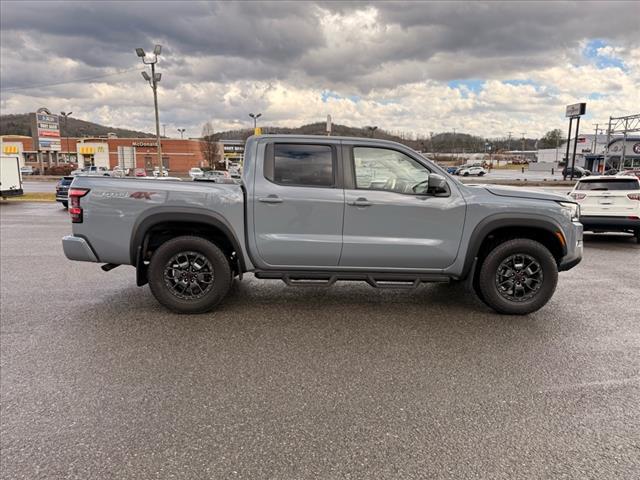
x=189, y=275
x=518, y=277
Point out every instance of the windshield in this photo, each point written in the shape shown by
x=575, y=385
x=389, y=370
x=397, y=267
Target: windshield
x=609, y=184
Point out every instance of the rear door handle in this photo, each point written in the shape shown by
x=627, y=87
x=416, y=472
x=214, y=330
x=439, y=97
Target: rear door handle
x=270, y=199
x=360, y=202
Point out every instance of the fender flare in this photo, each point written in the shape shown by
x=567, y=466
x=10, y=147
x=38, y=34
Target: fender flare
x=159, y=215
x=502, y=220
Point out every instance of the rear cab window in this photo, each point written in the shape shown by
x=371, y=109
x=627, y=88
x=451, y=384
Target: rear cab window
x=303, y=165
x=608, y=184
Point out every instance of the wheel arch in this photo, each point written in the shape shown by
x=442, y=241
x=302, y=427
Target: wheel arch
x=495, y=230
x=160, y=225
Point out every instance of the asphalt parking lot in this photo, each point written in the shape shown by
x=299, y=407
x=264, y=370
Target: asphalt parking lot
x=99, y=381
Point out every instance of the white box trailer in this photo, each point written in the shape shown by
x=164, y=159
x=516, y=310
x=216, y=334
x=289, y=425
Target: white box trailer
x=10, y=176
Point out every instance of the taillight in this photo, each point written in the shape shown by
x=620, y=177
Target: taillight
x=578, y=196
x=634, y=196
x=75, y=194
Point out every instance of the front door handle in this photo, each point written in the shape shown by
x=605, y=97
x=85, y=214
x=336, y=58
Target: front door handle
x=360, y=202
x=270, y=199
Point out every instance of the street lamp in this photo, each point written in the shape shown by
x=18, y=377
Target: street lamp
x=182, y=130
x=66, y=115
x=372, y=130
x=255, y=120
x=153, y=82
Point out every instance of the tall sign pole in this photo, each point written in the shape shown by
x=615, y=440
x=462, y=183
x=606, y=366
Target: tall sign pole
x=574, y=111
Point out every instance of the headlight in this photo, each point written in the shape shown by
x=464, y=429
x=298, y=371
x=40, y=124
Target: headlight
x=571, y=210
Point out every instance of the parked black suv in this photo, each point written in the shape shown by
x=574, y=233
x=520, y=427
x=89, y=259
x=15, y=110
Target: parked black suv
x=62, y=191
x=578, y=172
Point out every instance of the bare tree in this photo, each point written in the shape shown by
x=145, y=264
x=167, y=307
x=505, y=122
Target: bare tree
x=209, y=148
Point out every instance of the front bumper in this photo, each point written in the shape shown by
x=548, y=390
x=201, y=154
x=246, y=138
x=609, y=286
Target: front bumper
x=574, y=248
x=77, y=248
x=610, y=224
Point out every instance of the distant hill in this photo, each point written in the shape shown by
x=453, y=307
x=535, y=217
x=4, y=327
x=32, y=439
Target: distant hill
x=319, y=128
x=20, y=124
x=442, y=142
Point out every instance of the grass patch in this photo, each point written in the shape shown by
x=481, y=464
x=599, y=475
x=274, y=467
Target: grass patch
x=33, y=197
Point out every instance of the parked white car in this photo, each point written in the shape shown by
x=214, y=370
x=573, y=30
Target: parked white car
x=196, y=172
x=465, y=172
x=156, y=172
x=609, y=203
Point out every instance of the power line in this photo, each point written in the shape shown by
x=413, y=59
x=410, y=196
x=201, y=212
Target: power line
x=86, y=79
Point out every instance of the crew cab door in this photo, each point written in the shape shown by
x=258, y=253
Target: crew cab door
x=298, y=205
x=390, y=221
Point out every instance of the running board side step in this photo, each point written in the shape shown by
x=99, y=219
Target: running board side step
x=326, y=279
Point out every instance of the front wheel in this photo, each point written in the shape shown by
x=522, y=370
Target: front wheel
x=189, y=275
x=518, y=277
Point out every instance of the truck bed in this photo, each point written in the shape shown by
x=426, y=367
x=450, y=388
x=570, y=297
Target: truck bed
x=114, y=209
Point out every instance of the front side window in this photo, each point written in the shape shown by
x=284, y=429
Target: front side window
x=302, y=165
x=390, y=170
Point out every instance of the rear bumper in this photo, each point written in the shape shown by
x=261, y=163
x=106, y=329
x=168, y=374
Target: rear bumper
x=610, y=223
x=77, y=248
x=14, y=192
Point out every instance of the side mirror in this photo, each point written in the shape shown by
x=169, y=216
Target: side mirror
x=437, y=184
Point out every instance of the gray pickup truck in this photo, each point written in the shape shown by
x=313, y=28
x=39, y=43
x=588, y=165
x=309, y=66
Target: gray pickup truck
x=314, y=210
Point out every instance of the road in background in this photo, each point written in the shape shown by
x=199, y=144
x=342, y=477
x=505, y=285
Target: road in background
x=99, y=381
x=39, y=187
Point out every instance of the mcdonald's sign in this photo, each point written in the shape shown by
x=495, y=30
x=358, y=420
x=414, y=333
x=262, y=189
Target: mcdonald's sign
x=10, y=149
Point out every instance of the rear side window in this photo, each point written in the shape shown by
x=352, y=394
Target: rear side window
x=66, y=182
x=609, y=184
x=302, y=165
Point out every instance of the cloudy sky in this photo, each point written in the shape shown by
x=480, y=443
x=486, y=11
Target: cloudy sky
x=482, y=68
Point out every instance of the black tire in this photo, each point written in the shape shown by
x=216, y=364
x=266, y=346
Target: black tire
x=465, y=174
x=162, y=275
x=481, y=174
x=544, y=279
x=65, y=204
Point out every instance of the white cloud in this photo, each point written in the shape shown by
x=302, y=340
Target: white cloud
x=387, y=64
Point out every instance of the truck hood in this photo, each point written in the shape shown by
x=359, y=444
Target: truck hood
x=505, y=191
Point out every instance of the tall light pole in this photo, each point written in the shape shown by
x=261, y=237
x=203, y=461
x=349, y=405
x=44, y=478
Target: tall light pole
x=182, y=130
x=66, y=115
x=372, y=130
x=153, y=82
x=255, y=117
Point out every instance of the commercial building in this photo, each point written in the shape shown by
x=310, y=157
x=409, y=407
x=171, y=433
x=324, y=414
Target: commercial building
x=178, y=155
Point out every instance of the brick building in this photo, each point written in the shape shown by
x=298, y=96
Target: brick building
x=178, y=155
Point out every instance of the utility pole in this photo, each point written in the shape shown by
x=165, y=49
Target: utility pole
x=255, y=120
x=66, y=116
x=431, y=141
x=153, y=82
x=509, y=142
x=454, y=144
x=523, y=144
x=164, y=130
